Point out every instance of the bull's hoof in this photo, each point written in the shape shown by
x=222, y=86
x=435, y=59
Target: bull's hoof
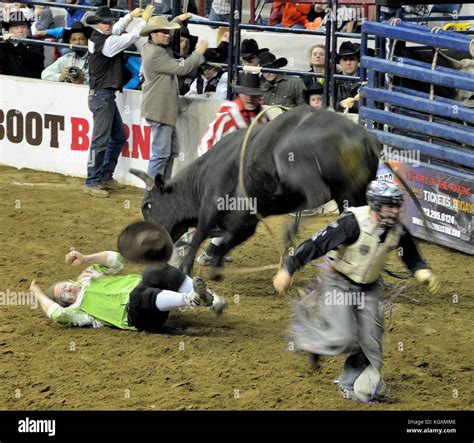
x=216, y=275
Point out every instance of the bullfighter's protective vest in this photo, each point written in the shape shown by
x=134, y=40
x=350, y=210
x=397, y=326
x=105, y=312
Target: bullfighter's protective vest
x=364, y=260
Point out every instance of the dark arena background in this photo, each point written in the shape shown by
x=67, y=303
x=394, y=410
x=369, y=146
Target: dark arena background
x=242, y=360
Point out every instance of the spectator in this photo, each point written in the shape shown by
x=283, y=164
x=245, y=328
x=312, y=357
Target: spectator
x=232, y=116
x=249, y=52
x=160, y=93
x=212, y=81
x=313, y=96
x=73, y=16
x=220, y=11
x=317, y=54
x=107, y=76
x=43, y=19
x=290, y=15
x=17, y=58
x=60, y=70
x=187, y=44
x=281, y=89
x=346, y=90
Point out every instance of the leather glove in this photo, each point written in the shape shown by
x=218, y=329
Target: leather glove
x=427, y=277
x=185, y=16
x=148, y=12
x=137, y=12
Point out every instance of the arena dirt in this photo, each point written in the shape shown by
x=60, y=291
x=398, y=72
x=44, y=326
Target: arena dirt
x=238, y=361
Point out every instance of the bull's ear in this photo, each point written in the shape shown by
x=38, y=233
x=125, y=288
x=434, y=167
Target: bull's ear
x=160, y=182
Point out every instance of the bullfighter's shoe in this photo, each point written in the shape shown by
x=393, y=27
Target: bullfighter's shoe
x=199, y=286
x=210, y=299
x=218, y=304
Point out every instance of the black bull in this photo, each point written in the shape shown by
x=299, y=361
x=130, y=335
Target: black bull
x=301, y=159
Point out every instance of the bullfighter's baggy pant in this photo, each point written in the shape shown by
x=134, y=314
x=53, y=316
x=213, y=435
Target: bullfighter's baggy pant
x=349, y=319
x=108, y=137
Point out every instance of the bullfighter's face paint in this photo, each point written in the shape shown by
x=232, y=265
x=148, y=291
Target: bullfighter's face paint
x=65, y=293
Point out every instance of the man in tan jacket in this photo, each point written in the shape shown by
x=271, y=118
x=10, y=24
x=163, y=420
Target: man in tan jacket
x=160, y=90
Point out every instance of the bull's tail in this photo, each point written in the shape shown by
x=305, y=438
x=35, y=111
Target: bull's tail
x=427, y=224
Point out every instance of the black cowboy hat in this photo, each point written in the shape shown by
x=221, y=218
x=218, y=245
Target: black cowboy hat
x=249, y=48
x=145, y=242
x=248, y=84
x=76, y=27
x=314, y=89
x=102, y=15
x=268, y=60
x=215, y=55
x=17, y=18
x=184, y=32
x=348, y=49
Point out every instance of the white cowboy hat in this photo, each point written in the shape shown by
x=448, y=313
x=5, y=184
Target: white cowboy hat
x=158, y=23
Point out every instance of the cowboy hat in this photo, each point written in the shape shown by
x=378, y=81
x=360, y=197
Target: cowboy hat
x=214, y=55
x=248, y=84
x=314, y=89
x=268, y=60
x=145, y=242
x=102, y=15
x=76, y=27
x=158, y=23
x=184, y=32
x=249, y=48
x=17, y=18
x=348, y=49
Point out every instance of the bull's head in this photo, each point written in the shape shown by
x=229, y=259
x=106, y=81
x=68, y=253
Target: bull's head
x=162, y=205
x=154, y=189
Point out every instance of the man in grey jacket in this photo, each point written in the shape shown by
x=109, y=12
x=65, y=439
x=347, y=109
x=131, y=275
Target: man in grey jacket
x=160, y=90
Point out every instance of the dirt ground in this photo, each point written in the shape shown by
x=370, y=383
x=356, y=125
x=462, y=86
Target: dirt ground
x=237, y=361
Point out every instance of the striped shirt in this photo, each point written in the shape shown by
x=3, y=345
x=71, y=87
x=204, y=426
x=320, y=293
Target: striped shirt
x=231, y=117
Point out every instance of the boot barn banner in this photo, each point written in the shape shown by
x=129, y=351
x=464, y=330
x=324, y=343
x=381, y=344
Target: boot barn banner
x=47, y=126
x=446, y=199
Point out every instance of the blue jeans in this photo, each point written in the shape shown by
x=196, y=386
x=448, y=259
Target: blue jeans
x=164, y=149
x=108, y=137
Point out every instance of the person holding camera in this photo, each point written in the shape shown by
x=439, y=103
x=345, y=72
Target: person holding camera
x=72, y=67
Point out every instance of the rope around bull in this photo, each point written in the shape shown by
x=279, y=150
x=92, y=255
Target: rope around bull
x=281, y=251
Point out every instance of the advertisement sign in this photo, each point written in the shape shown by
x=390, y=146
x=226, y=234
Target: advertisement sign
x=446, y=197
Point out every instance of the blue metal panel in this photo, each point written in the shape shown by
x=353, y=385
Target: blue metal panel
x=439, y=78
x=451, y=41
x=458, y=156
x=465, y=136
x=409, y=61
x=420, y=104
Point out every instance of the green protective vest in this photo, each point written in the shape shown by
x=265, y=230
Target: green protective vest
x=106, y=299
x=364, y=260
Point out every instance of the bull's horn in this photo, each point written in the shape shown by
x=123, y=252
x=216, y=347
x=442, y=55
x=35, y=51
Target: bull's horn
x=149, y=182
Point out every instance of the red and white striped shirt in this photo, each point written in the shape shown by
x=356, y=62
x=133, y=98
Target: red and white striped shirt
x=231, y=116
